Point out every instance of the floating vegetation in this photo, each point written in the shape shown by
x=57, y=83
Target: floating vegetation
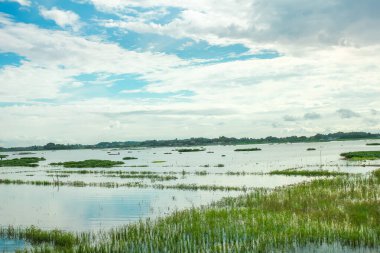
x=159, y=161
x=25, y=153
x=129, y=158
x=21, y=162
x=183, y=150
x=247, y=149
x=210, y=152
x=311, y=149
x=341, y=210
x=167, y=153
x=88, y=164
x=205, y=166
x=308, y=173
x=3, y=156
x=219, y=165
x=138, y=166
x=59, y=175
x=373, y=144
x=361, y=155
x=192, y=187
x=201, y=173
x=223, y=155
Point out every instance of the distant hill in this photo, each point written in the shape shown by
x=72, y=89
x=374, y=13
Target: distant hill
x=340, y=136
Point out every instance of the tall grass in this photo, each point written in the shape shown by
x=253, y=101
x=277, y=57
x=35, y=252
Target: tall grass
x=339, y=211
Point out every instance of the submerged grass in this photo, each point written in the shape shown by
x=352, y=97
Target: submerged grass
x=361, y=155
x=93, y=163
x=21, y=162
x=342, y=210
x=308, y=173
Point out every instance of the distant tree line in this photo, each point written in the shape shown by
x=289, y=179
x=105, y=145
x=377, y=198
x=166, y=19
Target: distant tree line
x=222, y=140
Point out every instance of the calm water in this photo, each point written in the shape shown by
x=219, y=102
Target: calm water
x=92, y=208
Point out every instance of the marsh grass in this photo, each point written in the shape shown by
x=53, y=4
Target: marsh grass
x=21, y=162
x=308, y=173
x=184, y=150
x=3, y=156
x=339, y=211
x=159, y=161
x=247, y=149
x=93, y=163
x=361, y=155
x=129, y=158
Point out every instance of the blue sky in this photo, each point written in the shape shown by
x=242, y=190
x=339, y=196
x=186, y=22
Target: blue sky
x=96, y=70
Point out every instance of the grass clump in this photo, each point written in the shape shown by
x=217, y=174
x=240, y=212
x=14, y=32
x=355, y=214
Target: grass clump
x=311, y=149
x=3, y=156
x=247, y=149
x=129, y=158
x=159, y=161
x=308, y=173
x=89, y=164
x=183, y=150
x=21, y=162
x=373, y=144
x=361, y=155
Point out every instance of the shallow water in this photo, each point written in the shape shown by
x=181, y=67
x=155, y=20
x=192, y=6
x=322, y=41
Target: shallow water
x=93, y=208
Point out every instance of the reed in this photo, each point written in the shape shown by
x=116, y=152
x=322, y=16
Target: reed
x=338, y=212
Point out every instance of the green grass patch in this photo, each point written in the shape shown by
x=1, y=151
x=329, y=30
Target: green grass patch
x=361, y=155
x=373, y=144
x=21, y=162
x=247, y=149
x=89, y=164
x=311, y=149
x=184, y=150
x=129, y=158
x=308, y=173
x=3, y=156
x=159, y=161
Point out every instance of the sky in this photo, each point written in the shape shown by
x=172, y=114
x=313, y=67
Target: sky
x=85, y=71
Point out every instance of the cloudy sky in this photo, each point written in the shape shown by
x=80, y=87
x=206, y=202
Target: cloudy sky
x=84, y=71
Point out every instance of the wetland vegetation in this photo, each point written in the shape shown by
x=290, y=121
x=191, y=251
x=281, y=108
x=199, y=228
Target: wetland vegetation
x=184, y=150
x=361, y=155
x=21, y=162
x=344, y=210
x=247, y=149
x=92, y=163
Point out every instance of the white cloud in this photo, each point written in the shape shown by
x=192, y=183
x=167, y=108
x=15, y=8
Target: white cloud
x=278, y=24
x=329, y=63
x=54, y=57
x=62, y=18
x=20, y=2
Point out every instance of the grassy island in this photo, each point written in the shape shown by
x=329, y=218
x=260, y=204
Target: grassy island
x=89, y=164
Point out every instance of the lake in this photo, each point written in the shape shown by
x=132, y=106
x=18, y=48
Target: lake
x=93, y=208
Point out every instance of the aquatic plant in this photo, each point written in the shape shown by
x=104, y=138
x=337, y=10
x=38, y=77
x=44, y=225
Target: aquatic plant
x=338, y=211
x=89, y=164
x=247, y=149
x=21, y=162
x=129, y=158
x=373, y=144
x=361, y=155
x=3, y=156
x=159, y=161
x=311, y=149
x=183, y=150
x=308, y=173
